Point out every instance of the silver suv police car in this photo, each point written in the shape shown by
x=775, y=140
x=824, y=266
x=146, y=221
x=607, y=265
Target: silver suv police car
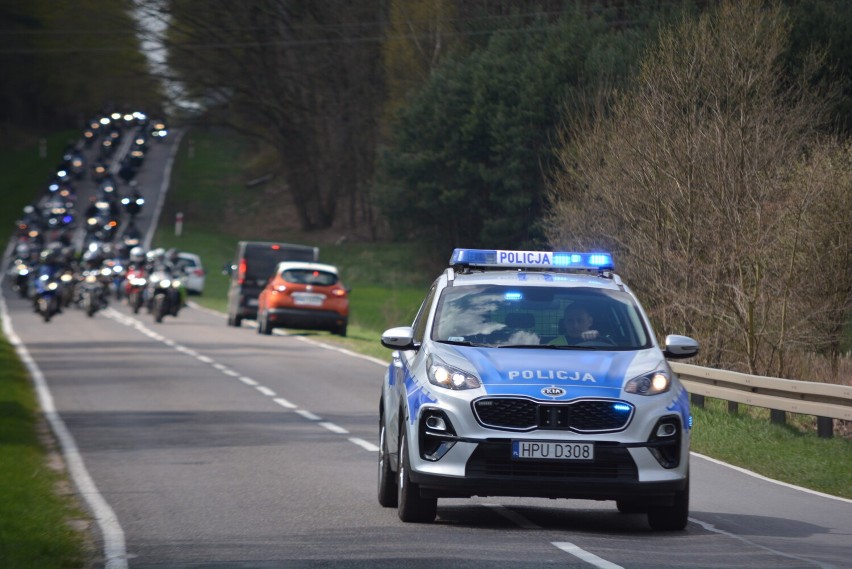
x=529, y=373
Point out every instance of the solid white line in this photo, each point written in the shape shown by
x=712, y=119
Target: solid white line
x=308, y=415
x=265, y=390
x=364, y=444
x=333, y=428
x=591, y=558
x=340, y=350
x=765, y=479
x=285, y=403
x=114, y=544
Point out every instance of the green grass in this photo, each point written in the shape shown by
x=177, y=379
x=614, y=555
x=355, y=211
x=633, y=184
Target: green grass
x=35, y=517
x=35, y=514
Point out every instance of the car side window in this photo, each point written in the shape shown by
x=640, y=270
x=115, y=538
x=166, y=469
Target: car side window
x=423, y=316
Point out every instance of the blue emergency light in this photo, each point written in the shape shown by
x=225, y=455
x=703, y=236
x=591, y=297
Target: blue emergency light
x=495, y=258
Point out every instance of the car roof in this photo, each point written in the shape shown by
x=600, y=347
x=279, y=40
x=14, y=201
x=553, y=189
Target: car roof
x=304, y=265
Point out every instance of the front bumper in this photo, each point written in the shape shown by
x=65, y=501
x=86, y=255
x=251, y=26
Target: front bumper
x=489, y=470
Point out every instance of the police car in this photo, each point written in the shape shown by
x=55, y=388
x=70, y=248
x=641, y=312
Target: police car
x=494, y=390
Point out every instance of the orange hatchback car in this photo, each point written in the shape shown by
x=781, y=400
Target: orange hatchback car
x=303, y=295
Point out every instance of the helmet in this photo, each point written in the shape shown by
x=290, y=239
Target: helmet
x=137, y=254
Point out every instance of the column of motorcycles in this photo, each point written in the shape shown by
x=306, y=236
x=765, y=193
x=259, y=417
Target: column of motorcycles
x=54, y=275
x=53, y=281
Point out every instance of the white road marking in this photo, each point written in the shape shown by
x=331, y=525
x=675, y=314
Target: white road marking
x=285, y=403
x=266, y=391
x=364, y=444
x=115, y=552
x=591, y=558
x=308, y=415
x=230, y=372
x=248, y=380
x=204, y=359
x=334, y=428
x=220, y=367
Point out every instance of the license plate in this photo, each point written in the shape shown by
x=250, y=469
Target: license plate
x=251, y=302
x=551, y=450
x=308, y=299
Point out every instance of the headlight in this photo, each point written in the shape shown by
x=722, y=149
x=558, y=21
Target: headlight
x=165, y=283
x=176, y=284
x=649, y=384
x=449, y=377
x=52, y=286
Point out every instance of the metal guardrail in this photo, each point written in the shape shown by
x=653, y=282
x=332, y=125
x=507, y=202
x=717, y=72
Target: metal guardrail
x=823, y=400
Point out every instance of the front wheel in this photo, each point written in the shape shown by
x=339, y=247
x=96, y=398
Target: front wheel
x=387, y=482
x=159, y=308
x=411, y=506
x=674, y=517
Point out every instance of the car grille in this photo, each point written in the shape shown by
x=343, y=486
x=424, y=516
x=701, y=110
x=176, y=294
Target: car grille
x=494, y=460
x=582, y=416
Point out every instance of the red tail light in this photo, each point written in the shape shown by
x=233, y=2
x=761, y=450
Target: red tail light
x=198, y=272
x=241, y=271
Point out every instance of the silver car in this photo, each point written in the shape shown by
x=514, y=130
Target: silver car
x=536, y=374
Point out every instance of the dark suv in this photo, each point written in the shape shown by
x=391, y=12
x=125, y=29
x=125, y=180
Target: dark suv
x=254, y=263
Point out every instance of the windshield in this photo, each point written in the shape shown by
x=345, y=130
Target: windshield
x=542, y=317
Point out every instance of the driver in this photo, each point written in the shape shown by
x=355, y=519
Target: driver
x=576, y=327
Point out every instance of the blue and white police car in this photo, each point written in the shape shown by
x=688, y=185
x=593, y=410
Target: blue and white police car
x=537, y=374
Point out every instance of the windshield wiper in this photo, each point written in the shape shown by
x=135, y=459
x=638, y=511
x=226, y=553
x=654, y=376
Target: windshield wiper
x=463, y=343
x=547, y=347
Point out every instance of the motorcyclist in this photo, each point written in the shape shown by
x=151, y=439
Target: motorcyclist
x=51, y=265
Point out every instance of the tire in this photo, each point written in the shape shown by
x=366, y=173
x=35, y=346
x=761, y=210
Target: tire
x=674, y=517
x=340, y=330
x=159, y=309
x=89, y=305
x=411, y=506
x=263, y=326
x=387, y=482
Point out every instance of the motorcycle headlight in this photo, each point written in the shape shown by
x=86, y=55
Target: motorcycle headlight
x=91, y=279
x=176, y=284
x=450, y=377
x=165, y=283
x=52, y=286
x=649, y=383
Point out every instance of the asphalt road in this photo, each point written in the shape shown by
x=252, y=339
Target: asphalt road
x=201, y=445
x=218, y=447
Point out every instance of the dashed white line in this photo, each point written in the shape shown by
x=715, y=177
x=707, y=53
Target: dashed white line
x=220, y=367
x=265, y=390
x=590, y=558
x=248, y=381
x=308, y=415
x=285, y=403
x=204, y=359
x=333, y=428
x=230, y=372
x=364, y=444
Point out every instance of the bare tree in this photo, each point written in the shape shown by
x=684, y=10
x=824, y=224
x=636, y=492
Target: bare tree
x=694, y=179
x=305, y=77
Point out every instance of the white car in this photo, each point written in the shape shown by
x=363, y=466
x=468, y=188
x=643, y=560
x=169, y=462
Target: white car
x=193, y=279
x=492, y=392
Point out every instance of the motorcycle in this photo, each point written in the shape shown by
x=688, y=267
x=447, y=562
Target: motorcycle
x=134, y=288
x=90, y=294
x=20, y=274
x=48, y=290
x=165, y=296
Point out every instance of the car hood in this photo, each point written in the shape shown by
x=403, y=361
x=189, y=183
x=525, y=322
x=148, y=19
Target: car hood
x=534, y=372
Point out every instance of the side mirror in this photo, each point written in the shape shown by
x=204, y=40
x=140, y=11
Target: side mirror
x=401, y=338
x=228, y=269
x=680, y=347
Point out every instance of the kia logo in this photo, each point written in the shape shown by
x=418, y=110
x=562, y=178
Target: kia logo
x=553, y=391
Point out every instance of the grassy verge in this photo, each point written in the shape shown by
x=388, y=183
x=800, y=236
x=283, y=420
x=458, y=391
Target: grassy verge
x=37, y=509
x=36, y=515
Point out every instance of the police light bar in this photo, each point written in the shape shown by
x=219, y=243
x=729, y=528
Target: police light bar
x=531, y=259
